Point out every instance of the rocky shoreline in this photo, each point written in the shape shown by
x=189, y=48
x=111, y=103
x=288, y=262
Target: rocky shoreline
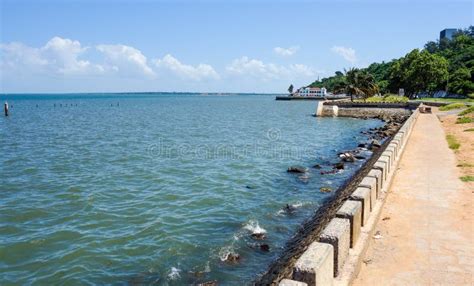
x=377, y=139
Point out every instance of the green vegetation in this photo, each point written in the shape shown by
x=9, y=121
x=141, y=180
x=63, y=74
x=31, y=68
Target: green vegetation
x=465, y=165
x=447, y=100
x=464, y=119
x=442, y=65
x=452, y=106
x=469, y=130
x=391, y=98
x=467, y=178
x=466, y=111
x=452, y=142
x=358, y=83
x=290, y=88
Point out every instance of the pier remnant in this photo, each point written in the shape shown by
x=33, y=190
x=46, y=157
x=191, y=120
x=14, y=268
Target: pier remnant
x=5, y=108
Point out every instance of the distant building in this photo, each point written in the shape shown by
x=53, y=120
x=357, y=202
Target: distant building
x=311, y=91
x=447, y=34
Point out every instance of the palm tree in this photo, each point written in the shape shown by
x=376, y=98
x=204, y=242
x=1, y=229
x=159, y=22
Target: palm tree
x=358, y=83
x=290, y=89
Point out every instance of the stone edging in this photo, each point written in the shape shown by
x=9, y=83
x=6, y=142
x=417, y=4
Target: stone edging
x=335, y=258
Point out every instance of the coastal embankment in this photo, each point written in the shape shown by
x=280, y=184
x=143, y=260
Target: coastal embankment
x=425, y=234
x=329, y=248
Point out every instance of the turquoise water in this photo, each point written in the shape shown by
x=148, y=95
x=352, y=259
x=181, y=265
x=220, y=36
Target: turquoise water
x=147, y=189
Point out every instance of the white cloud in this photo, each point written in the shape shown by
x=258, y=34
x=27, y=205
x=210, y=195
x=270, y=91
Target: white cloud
x=125, y=59
x=199, y=72
x=349, y=54
x=285, y=52
x=57, y=55
x=252, y=67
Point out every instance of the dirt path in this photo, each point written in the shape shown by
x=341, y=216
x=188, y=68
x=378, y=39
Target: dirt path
x=427, y=222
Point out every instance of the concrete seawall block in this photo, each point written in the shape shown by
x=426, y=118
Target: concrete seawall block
x=389, y=154
x=362, y=195
x=352, y=210
x=337, y=233
x=380, y=165
x=315, y=266
x=386, y=160
x=288, y=282
x=377, y=174
x=393, y=148
x=371, y=184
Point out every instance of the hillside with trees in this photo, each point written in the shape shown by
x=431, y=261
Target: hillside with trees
x=441, y=65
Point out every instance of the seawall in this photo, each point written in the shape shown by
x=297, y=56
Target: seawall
x=330, y=247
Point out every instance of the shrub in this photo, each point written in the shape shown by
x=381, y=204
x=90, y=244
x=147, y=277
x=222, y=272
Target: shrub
x=471, y=95
x=452, y=142
x=451, y=106
x=391, y=98
x=463, y=120
x=467, y=178
x=469, y=130
x=466, y=111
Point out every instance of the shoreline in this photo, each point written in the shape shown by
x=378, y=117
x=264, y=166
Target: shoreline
x=311, y=229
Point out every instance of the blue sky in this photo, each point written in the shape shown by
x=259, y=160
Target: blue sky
x=206, y=46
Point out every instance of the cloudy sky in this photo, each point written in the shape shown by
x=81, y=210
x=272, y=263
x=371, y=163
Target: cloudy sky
x=206, y=46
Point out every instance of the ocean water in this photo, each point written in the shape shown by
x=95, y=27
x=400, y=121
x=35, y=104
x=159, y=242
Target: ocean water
x=157, y=189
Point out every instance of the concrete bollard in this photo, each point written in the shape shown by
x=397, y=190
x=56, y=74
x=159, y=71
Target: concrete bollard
x=377, y=174
x=380, y=165
x=362, y=195
x=335, y=110
x=319, y=108
x=352, y=210
x=337, y=233
x=316, y=265
x=371, y=184
x=385, y=160
x=389, y=156
x=288, y=282
x=393, y=148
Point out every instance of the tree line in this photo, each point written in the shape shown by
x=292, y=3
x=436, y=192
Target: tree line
x=442, y=65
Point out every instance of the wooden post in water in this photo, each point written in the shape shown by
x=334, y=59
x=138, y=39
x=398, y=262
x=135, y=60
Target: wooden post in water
x=5, y=108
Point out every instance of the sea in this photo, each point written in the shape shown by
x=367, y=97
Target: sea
x=160, y=188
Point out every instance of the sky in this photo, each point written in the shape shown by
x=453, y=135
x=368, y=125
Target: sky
x=206, y=46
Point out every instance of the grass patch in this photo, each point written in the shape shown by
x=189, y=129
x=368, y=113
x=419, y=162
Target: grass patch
x=390, y=98
x=466, y=111
x=467, y=178
x=447, y=100
x=452, y=142
x=469, y=130
x=463, y=120
x=451, y=106
x=465, y=165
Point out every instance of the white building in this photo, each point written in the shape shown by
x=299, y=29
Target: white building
x=311, y=91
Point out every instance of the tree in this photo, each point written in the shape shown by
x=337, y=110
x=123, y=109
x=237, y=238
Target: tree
x=358, y=83
x=290, y=89
x=419, y=72
x=460, y=82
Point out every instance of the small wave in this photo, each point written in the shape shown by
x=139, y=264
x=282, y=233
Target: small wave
x=174, y=273
x=254, y=227
x=207, y=268
x=291, y=207
x=225, y=252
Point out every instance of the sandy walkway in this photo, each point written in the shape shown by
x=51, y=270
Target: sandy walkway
x=427, y=221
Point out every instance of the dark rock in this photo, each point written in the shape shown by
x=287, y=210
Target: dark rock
x=208, y=283
x=250, y=187
x=297, y=169
x=264, y=247
x=289, y=209
x=232, y=258
x=338, y=166
x=258, y=236
x=375, y=144
x=325, y=190
x=362, y=145
x=317, y=166
x=359, y=157
x=329, y=172
x=348, y=157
